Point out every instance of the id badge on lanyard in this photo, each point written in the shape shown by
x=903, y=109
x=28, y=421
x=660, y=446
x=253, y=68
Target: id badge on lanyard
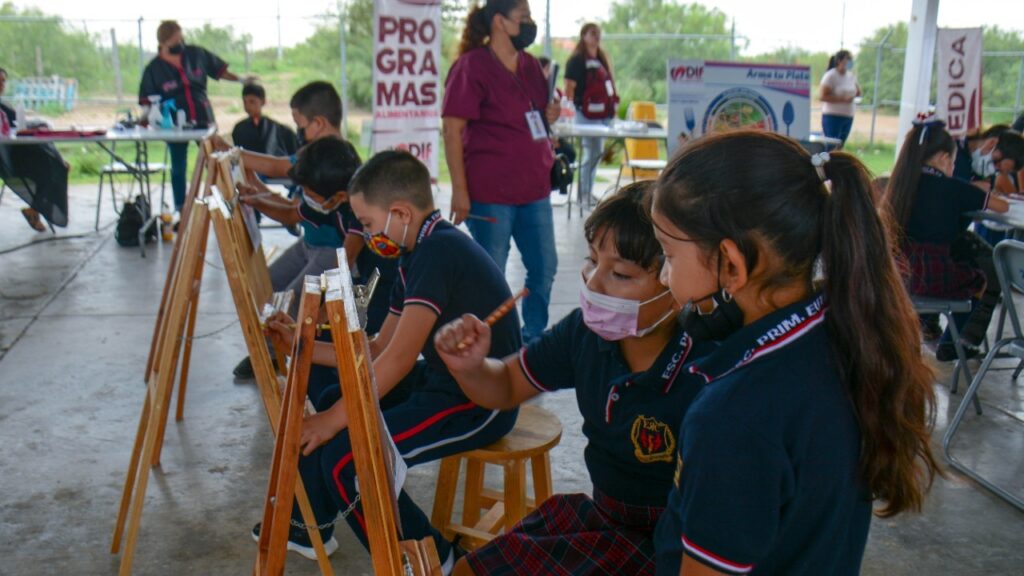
x=536, y=124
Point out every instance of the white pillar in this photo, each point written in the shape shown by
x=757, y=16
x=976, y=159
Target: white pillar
x=917, y=67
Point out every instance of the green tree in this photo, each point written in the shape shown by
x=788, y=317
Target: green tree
x=640, y=64
x=65, y=52
x=999, y=72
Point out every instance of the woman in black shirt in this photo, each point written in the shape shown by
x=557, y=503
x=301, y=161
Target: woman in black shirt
x=180, y=73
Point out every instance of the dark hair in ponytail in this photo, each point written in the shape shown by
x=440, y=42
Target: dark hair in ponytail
x=906, y=174
x=761, y=191
x=478, y=23
x=838, y=57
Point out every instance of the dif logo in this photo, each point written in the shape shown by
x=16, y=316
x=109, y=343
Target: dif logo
x=422, y=150
x=687, y=73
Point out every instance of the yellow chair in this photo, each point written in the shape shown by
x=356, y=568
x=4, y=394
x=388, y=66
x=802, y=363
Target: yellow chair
x=641, y=152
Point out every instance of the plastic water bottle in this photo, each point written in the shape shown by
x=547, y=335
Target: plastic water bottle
x=181, y=120
x=154, y=115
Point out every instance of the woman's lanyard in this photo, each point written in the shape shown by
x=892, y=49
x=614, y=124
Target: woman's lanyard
x=515, y=76
x=535, y=121
x=932, y=172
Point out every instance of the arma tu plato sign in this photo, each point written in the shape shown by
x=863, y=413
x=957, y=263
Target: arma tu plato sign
x=406, y=78
x=706, y=97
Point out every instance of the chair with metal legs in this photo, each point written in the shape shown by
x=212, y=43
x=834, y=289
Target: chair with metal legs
x=1008, y=258
x=946, y=309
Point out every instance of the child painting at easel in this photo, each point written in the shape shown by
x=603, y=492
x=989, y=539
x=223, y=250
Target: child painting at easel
x=442, y=275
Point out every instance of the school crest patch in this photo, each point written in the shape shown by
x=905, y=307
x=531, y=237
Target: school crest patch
x=653, y=441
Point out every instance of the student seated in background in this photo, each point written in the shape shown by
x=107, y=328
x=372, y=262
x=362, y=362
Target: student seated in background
x=444, y=275
x=316, y=109
x=622, y=352
x=261, y=134
x=930, y=210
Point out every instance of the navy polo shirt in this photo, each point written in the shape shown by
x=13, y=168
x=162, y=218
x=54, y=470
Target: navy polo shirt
x=186, y=85
x=768, y=479
x=939, y=213
x=631, y=419
x=451, y=275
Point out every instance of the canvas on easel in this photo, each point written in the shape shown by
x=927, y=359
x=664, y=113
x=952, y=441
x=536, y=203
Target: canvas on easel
x=379, y=467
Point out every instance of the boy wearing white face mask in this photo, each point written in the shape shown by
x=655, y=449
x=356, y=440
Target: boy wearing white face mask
x=623, y=352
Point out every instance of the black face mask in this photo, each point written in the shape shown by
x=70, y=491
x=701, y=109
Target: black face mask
x=300, y=133
x=527, y=34
x=718, y=324
x=177, y=49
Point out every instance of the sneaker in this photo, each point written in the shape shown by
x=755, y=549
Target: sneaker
x=946, y=352
x=298, y=541
x=243, y=370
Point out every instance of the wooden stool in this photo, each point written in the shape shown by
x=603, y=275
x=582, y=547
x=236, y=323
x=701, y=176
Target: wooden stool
x=536, y=432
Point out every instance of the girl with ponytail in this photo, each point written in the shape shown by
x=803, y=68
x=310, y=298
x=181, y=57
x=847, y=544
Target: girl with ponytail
x=929, y=209
x=818, y=407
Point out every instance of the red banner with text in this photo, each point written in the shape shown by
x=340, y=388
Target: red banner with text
x=406, y=78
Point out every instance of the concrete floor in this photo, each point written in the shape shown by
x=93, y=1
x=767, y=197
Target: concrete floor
x=76, y=316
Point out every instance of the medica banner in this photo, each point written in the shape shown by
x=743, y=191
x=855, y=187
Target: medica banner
x=406, y=78
x=958, y=86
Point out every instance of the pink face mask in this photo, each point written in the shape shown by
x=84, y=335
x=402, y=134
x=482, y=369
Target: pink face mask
x=614, y=318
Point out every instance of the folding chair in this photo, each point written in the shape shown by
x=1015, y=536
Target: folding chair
x=139, y=172
x=947, y=308
x=1008, y=258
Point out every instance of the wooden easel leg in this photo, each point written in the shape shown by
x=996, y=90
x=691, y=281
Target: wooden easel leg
x=129, y=483
x=190, y=329
x=139, y=496
x=198, y=174
x=194, y=280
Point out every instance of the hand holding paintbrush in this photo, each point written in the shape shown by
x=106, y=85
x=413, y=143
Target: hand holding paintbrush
x=464, y=343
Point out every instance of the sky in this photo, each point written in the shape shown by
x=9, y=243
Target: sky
x=767, y=24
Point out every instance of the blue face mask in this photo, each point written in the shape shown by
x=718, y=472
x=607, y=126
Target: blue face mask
x=849, y=65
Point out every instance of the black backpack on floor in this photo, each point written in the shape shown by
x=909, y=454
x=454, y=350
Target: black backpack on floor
x=133, y=217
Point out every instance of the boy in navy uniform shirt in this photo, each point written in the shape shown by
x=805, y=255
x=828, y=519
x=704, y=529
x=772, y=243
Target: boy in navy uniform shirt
x=817, y=401
x=443, y=275
x=259, y=133
x=316, y=109
x=623, y=352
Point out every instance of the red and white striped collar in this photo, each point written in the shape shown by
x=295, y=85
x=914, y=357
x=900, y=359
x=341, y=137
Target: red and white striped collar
x=765, y=336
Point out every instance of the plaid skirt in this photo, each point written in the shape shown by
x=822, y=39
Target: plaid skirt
x=572, y=534
x=933, y=272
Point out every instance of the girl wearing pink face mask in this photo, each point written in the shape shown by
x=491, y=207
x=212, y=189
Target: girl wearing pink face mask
x=623, y=352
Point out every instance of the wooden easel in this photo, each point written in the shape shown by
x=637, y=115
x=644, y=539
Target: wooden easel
x=248, y=276
x=180, y=293
x=199, y=173
x=240, y=266
x=161, y=381
x=370, y=446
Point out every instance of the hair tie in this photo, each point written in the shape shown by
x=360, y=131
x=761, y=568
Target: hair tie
x=818, y=161
x=926, y=120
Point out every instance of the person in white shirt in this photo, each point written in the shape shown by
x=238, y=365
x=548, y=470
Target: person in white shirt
x=838, y=89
